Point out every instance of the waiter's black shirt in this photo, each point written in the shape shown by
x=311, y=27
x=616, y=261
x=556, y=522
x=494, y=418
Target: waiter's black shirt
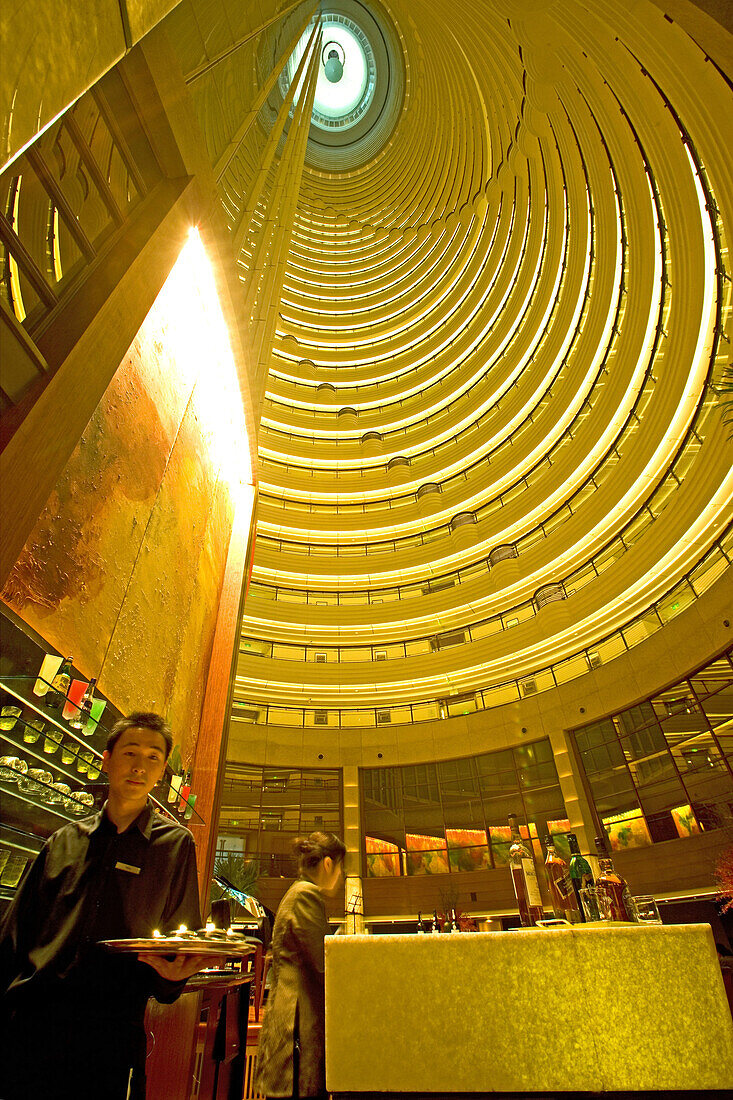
x=91, y=883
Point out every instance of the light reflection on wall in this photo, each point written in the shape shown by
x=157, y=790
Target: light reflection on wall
x=187, y=318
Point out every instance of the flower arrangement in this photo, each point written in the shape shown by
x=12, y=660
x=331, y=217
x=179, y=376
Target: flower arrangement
x=724, y=875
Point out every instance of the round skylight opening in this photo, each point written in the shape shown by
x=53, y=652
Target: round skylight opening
x=338, y=103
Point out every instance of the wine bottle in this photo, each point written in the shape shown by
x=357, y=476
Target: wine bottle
x=564, y=903
x=614, y=897
x=435, y=930
x=453, y=922
x=80, y=721
x=420, y=929
x=60, y=684
x=524, y=878
x=581, y=876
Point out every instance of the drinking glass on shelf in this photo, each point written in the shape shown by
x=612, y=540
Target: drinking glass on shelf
x=94, y=767
x=11, y=768
x=8, y=717
x=647, y=910
x=33, y=731
x=591, y=903
x=64, y=791
x=13, y=869
x=52, y=740
x=80, y=803
x=58, y=793
x=34, y=781
x=68, y=752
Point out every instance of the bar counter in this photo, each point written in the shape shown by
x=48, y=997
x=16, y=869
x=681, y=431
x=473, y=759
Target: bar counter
x=586, y=1009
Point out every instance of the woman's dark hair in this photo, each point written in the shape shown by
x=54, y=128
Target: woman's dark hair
x=140, y=719
x=313, y=849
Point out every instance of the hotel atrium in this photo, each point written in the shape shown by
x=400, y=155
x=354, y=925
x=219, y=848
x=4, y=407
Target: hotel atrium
x=478, y=289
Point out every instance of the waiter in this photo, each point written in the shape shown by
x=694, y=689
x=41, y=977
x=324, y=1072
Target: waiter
x=71, y=1020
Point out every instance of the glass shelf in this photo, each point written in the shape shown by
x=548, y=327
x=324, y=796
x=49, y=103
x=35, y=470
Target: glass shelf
x=17, y=848
x=18, y=690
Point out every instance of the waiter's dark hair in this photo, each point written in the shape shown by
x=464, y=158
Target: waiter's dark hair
x=141, y=719
x=313, y=849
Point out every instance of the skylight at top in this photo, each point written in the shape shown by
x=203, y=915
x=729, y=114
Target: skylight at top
x=337, y=104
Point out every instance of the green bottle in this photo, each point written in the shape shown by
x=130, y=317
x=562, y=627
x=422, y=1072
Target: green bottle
x=581, y=875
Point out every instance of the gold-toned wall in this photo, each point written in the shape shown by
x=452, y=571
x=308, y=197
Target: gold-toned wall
x=52, y=52
x=125, y=564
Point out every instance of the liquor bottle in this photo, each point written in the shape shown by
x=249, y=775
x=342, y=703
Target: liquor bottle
x=564, y=903
x=420, y=929
x=581, y=876
x=614, y=898
x=80, y=721
x=524, y=878
x=435, y=930
x=60, y=684
x=185, y=792
x=453, y=922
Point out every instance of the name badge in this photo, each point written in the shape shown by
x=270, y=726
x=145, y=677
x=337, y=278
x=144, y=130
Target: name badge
x=127, y=867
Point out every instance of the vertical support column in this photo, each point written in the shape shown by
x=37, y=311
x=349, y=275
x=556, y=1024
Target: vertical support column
x=284, y=200
x=352, y=840
x=225, y=159
x=577, y=803
x=239, y=230
x=210, y=757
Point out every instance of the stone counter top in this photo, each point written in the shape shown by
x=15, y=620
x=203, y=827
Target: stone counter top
x=590, y=1008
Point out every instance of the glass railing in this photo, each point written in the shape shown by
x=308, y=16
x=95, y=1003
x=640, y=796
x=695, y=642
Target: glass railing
x=705, y=573
x=606, y=649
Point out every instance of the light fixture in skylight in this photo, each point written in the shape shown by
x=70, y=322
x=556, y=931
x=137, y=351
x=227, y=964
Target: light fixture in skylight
x=345, y=49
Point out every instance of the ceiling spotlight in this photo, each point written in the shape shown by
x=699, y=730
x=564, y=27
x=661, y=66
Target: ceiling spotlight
x=333, y=64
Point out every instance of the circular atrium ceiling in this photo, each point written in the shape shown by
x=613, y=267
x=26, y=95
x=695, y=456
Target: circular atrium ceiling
x=338, y=103
x=491, y=458
x=354, y=115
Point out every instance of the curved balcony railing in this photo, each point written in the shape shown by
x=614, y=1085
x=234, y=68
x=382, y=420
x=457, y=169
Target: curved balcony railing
x=613, y=645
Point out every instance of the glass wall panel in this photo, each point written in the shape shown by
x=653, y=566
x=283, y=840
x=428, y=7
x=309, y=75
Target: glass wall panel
x=451, y=816
x=263, y=809
x=662, y=769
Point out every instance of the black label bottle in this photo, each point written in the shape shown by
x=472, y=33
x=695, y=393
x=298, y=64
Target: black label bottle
x=524, y=878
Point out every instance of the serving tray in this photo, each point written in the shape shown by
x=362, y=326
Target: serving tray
x=174, y=945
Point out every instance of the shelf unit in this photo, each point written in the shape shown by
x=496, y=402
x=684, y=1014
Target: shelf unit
x=71, y=784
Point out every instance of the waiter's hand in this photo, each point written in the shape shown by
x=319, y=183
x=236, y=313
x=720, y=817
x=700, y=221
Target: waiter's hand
x=181, y=967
